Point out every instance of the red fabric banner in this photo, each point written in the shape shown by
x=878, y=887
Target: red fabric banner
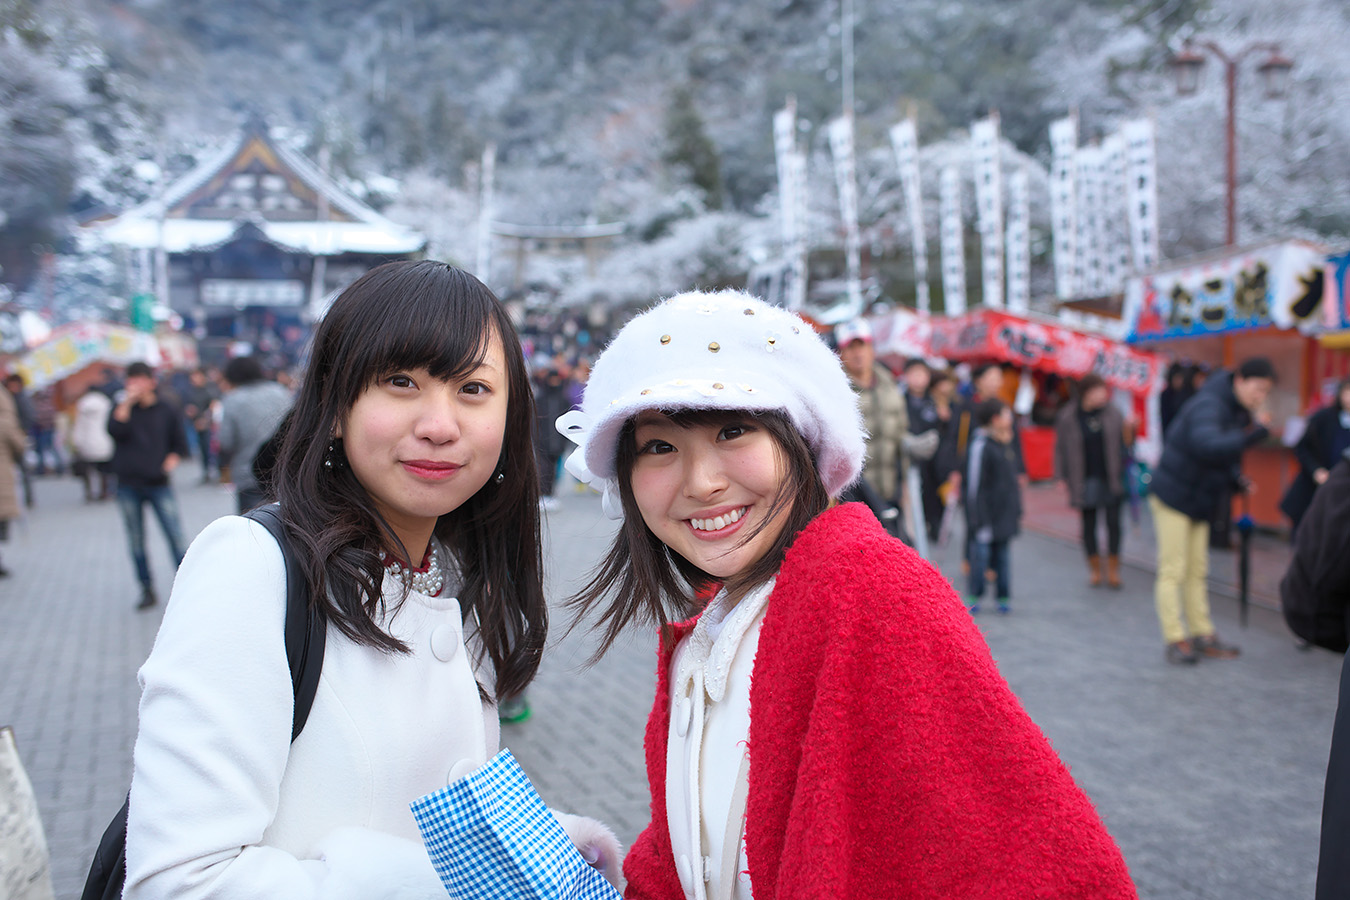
x=989, y=334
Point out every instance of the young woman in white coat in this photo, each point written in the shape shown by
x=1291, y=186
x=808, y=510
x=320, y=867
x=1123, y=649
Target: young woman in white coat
x=407, y=476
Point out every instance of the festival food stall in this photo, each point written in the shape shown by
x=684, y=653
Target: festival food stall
x=1266, y=300
x=74, y=355
x=1041, y=350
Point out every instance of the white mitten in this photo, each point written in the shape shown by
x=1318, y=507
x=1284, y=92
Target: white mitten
x=361, y=864
x=596, y=844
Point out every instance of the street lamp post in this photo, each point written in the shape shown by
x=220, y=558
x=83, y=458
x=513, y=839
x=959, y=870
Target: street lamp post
x=1187, y=66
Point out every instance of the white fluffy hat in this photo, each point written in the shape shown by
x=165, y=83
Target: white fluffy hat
x=724, y=350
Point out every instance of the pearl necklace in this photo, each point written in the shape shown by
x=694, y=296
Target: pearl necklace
x=428, y=580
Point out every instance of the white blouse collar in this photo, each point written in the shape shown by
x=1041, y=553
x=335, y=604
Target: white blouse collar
x=718, y=634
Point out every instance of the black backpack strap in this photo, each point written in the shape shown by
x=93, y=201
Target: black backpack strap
x=306, y=628
x=305, y=633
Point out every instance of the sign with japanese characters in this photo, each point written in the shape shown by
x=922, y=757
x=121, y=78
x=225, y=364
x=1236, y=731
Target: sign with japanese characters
x=1279, y=284
x=1064, y=205
x=905, y=141
x=953, y=243
x=989, y=207
x=1044, y=346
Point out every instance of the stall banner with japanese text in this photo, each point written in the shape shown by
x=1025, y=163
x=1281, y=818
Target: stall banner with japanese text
x=71, y=348
x=1278, y=284
x=989, y=334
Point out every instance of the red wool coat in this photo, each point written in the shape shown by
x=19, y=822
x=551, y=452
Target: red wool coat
x=888, y=757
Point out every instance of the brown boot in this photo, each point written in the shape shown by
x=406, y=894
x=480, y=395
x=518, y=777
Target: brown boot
x=1094, y=571
x=1113, y=572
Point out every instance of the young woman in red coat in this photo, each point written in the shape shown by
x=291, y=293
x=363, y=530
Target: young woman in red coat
x=830, y=723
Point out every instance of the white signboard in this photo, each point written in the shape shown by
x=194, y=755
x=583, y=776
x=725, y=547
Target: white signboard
x=242, y=292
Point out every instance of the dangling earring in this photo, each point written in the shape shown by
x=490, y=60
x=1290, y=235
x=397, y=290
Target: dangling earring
x=333, y=459
x=501, y=476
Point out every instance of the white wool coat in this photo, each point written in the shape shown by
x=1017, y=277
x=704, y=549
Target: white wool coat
x=224, y=806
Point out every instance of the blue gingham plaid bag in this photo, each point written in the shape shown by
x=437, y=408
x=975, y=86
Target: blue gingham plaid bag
x=490, y=837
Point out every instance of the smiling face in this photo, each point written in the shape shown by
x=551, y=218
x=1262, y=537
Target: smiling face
x=421, y=446
x=707, y=490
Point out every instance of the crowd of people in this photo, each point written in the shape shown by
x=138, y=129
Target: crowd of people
x=126, y=433
x=410, y=475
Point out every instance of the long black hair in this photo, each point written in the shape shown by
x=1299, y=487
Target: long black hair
x=641, y=579
x=406, y=315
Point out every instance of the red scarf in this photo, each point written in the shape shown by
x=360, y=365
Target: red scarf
x=888, y=757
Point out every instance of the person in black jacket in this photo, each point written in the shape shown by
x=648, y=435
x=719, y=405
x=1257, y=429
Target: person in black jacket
x=1325, y=439
x=1315, y=597
x=993, y=502
x=1201, y=461
x=149, y=443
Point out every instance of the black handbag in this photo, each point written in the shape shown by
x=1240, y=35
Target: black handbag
x=1095, y=493
x=305, y=634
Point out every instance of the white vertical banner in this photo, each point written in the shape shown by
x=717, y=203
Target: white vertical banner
x=1019, y=240
x=785, y=145
x=1064, y=204
x=989, y=207
x=1092, y=277
x=487, y=175
x=792, y=202
x=905, y=141
x=953, y=243
x=1115, y=232
x=845, y=175
x=796, y=291
x=1142, y=193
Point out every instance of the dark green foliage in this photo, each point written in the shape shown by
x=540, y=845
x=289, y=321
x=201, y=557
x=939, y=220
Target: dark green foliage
x=689, y=150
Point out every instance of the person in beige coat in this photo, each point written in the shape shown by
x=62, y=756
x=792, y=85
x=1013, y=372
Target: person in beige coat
x=11, y=452
x=885, y=417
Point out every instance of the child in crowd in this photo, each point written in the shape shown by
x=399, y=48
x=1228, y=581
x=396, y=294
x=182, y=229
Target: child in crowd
x=832, y=724
x=993, y=502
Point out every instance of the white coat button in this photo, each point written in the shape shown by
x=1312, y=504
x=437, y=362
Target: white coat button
x=461, y=769
x=685, y=869
x=445, y=642
x=707, y=869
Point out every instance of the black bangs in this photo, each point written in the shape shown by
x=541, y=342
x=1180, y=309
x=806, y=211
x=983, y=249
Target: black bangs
x=401, y=319
x=693, y=418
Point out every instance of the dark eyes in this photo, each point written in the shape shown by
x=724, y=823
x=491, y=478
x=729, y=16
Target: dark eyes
x=406, y=381
x=656, y=448
x=730, y=432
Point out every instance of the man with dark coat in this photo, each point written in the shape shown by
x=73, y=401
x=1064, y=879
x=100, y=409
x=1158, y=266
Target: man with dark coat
x=1315, y=595
x=1201, y=461
x=149, y=443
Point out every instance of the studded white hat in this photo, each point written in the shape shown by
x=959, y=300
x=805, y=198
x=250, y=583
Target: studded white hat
x=724, y=350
